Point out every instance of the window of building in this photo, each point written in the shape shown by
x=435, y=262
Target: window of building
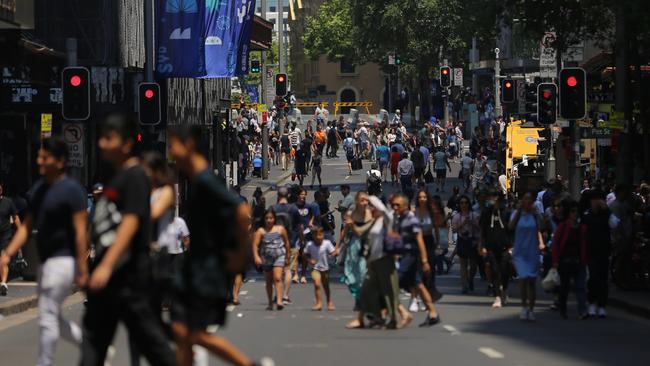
x=272, y=9
x=347, y=67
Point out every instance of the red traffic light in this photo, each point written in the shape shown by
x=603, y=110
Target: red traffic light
x=281, y=79
x=546, y=94
x=139, y=137
x=445, y=71
x=75, y=80
x=148, y=93
x=508, y=84
x=572, y=81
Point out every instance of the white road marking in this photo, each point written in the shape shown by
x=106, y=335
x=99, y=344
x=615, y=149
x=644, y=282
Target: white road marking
x=306, y=345
x=451, y=329
x=491, y=352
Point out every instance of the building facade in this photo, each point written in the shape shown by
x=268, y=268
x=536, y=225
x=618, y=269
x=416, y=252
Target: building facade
x=322, y=80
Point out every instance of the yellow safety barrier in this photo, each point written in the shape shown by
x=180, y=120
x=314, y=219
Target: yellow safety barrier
x=337, y=105
x=238, y=105
x=311, y=104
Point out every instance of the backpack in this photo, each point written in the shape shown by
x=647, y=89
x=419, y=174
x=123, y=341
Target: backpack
x=283, y=217
x=374, y=183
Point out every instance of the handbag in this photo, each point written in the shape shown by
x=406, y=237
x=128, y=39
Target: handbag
x=551, y=281
x=393, y=242
x=357, y=164
x=428, y=176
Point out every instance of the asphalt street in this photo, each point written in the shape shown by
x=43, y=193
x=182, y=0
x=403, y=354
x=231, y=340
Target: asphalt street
x=471, y=332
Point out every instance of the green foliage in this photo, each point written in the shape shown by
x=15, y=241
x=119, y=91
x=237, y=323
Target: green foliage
x=419, y=31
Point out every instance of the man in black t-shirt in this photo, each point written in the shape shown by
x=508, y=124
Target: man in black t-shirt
x=8, y=214
x=57, y=209
x=220, y=226
x=119, y=284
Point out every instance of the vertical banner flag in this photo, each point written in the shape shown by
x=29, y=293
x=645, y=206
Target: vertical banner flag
x=228, y=25
x=180, y=31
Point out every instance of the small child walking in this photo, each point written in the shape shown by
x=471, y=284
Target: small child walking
x=317, y=253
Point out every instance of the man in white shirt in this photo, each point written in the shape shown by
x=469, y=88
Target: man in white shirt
x=405, y=169
x=467, y=164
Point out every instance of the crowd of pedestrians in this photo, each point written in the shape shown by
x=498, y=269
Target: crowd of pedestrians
x=136, y=258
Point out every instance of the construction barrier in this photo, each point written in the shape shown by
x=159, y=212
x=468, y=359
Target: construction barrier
x=311, y=104
x=337, y=105
x=238, y=105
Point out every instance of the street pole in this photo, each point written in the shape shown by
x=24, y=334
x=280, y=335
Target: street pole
x=446, y=99
x=265, y=130
x=148, y=40
x=281, y=36
x=550, y=164
x=497, y=85
x=575, y=170
x=474, y=60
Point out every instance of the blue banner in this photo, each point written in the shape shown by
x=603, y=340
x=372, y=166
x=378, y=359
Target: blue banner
x=252, y=92
x=180, y=35
x=229, y=24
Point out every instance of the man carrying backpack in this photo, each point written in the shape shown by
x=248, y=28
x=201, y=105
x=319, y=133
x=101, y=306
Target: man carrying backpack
x=373, y=180
x=349, y=145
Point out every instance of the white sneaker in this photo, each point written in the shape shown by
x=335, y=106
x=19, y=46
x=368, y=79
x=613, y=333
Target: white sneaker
x=413, y=307
x=531, y=316
x=524, y=314
x=592, y=310
x=497, y=303
x=602, y=313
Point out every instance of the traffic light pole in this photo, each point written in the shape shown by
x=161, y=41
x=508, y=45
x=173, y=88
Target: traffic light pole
x=265, y=129
x=575, y=170
x=497, y=85
x=550, y=164
x=148, y=40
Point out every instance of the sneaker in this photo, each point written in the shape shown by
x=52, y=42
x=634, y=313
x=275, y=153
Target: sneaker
x=3, y=289
x=497, y=303
x=413, y=307
x=422, y=307
x=592, y=310
x=303, y=279
x=602, y=313
x=531, y=316
x=524, y=314
x=266, y=361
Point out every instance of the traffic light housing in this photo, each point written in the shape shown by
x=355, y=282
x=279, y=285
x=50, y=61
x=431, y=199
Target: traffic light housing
x=149, y=103
x=75, y=85
x=255, y=67
x=508, y=92
x=398, y=60
x=532, y=102
x=573, y=93
x=281, y=85
x=445, y=76
x=546, y=103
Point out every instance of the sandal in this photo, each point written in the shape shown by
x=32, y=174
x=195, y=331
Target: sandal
x=355, y=324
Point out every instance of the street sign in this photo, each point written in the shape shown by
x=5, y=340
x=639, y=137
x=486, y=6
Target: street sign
x=391, y=59
x=596, y=132
x=73, y=135
x=458, y=76
x=548, y=56
x=46, y=125
x=269, y=85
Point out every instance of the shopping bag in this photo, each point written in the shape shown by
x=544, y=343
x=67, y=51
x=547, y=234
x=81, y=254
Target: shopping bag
x=551, y=281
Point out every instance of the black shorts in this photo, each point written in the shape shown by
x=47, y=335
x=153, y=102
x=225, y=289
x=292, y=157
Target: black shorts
x=5, y=238
x=199, y=313
x=409, y=272
x=441, y=173
x=419, y=172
